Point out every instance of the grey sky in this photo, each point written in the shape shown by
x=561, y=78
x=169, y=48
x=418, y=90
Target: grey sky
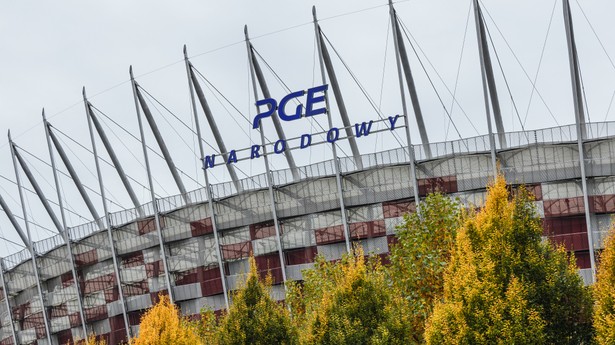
x=51, y=49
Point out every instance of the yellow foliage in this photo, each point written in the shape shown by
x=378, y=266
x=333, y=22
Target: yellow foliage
x=604, y=292
x=93, y=340
x=162, y=325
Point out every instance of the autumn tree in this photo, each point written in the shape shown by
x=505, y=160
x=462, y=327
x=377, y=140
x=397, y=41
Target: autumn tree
x=418, y=260
x=348, y=302
x=505, y=285
x=254, y=318
x=163, y=325
x=604, y=290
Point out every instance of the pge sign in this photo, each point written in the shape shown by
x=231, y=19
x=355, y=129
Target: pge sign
x=315, y=96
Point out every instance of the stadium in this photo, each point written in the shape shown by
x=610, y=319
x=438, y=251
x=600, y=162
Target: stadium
x=101, y=276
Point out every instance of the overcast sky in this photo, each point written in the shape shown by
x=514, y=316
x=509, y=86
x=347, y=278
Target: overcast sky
x=50, y=50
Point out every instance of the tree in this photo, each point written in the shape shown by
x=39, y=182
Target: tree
x=418, y=260
x=505, y=285
x=348, y=302
x=254, y=318
x=604, y=292
x=162, y=325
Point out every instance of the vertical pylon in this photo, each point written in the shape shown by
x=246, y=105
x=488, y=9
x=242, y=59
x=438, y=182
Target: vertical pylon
x=161, y=144
x=111, y=152
x=338, y=177
x=274, y=212
x=411, y=156
x=116, y=266
x=491, y=92
x=29, y=242
x=195, y=86
x=401, y=55
x=64, y=232
x=150, y=181
x=192, y=82
x=327, y=65
x=575, y=75
x=258, y=74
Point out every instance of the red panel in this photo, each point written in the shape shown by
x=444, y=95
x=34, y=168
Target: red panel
x=100, y=283
x=96, y=313
x=564, y=225
x=533, y=189
x=262, y=230
x=211, y=287
x=375, y=228
x=112, y=294
x=117, y=322
x=602, y=203
x=444, y=184
x=135, y=289
x=236, y=250
x=392, y=209
x=117, y=337
x=21, y=310
x=155, y=296
x=269, y=264
x=154, y=269
x=199, y=274
x=148, y=225
x=58, y=311
x=64, y=337
x=331, y=234
x=564, y=207
x=67, y=279
x=74, y=319
x=201, y=227
x=86, y=258
x=134, y=317
x=301, y=256
x=133, y=259
x=34, y=320
x=392, y=240
x=583, y=260
x=7, y=341
x=572, y=242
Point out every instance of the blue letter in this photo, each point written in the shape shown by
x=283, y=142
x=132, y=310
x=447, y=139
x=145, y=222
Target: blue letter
x=336, y=135
x=311, y=100
x=282, y=111
x=393, y=120
x=254, y=151
x=267, y=101
x=363, y=130
x=209, y=161
x=276, y=146
x=232, y=157
x=303, y=143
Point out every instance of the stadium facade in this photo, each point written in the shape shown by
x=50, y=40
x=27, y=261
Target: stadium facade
x=194, y=246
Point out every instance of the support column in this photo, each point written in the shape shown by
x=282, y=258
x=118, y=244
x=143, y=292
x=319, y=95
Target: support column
x=488, y=84
x=338, y=177
x=274, y=212
x=194, y=86
x=29, y=242
x=326, y=64
x=580, y=126
x=73, y=174
x=402, y=55
x=116, y=266
x=64, y=233
x=161, y=144
x=411, y=156
x=151, y=187
x=192, y=82
x=112, y=155
x=6, y=300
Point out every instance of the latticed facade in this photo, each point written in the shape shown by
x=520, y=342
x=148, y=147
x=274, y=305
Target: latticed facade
x=310, y=217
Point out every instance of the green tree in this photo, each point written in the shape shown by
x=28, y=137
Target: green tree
x=505, y=285
x=418, y=260
x=254, y=318
x=162, y=325
x=348, y=302
x=604, y=292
